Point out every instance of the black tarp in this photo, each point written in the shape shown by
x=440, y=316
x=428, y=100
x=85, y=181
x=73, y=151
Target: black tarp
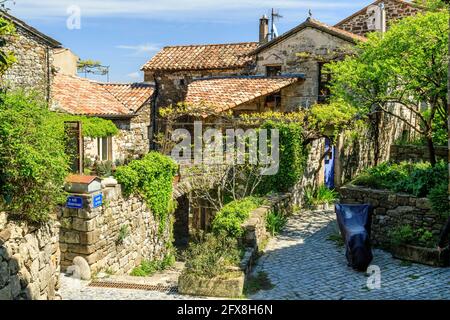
x=354, y=223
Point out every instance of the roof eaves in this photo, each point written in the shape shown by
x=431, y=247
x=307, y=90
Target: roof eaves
x=50, y=41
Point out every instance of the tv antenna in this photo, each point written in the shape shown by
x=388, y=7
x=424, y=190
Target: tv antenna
x=273, y=29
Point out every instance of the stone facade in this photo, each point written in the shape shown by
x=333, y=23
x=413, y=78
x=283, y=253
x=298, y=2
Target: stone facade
x=311, y=41
x=33, y=69
x=29, y=260
x=132, y=141
x=392, y=210
x=114, y=237
x=395, y=9
x=416, y=153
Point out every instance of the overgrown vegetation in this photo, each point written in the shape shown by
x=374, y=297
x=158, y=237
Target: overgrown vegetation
x=405, y=66
x=151, y=178
x=92, y=127
x=418, y=179
x=7, y=30
x=319, y=195
x=124, y=232
x=407, y=235
x=33, y=162
x=275, y=222
x=229, y=219
x=212, y=256
x=148, y=268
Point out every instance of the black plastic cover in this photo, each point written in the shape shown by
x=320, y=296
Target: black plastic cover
x=354, y=223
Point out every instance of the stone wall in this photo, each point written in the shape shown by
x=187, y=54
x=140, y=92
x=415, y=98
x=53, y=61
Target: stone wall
x=415, y=153
x=392, y=210
x=33, y=67
x=29, y=260
x=395, y=9
x=115, y=237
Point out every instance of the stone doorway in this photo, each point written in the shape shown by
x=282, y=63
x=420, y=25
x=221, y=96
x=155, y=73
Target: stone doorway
x=181, y=225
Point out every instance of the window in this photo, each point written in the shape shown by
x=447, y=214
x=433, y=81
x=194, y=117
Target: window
x=272, y=71
x=273, y=101
x=104, y=148
x=324, y=82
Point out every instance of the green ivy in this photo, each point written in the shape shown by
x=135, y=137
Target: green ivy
x=33, y=163
x=230, y=218
x=92, y=127
x=293, y=156
x=152, y=179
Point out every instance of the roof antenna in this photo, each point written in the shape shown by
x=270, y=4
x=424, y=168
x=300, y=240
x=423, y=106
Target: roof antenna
x=273, y=30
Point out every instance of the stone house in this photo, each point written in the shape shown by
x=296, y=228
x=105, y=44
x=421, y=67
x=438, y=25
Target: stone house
x=378, y=16
x=34, y=52
x=127, y=105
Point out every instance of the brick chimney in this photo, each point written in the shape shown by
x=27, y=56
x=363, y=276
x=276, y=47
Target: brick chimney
x=263, y=30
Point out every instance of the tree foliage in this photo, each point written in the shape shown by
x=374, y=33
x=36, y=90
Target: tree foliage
x=7, y=58
x=33, y=163
x=407, y=67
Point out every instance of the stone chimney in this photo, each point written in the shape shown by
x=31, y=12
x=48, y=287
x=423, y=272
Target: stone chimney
x=263, y=30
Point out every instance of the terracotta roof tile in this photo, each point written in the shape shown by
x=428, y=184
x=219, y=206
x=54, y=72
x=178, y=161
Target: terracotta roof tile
x=76, y=95
x=230, y=92
x=202, y=57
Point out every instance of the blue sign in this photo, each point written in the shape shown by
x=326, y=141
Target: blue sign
x=97, y=200
x=74, y=202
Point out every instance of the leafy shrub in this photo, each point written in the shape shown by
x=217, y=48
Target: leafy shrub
x=319, y=195
x=151, y=178
x=275, y=222
x=212, y=256
x=33, y=163
x=104, y=168
x=92, y=127
x=438, y=197
x=293, y=157
x=230, y=218
x=417, y=179
x=406, y=235
x=148, y=268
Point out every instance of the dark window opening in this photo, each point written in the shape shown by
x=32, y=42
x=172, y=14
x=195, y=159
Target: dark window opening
x=273, y=101
x=272, y=71
x=324, y=82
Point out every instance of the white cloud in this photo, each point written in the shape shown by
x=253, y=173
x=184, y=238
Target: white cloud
x=169, y=9
x=140, y=50
x=134, y=75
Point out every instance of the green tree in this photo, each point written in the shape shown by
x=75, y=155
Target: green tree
x=33, y=164
x=6, y=57
x=407, y=66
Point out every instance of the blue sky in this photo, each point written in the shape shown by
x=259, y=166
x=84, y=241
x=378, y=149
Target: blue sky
x=124, y=34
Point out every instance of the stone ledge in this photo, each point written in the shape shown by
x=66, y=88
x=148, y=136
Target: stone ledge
x=231, y=286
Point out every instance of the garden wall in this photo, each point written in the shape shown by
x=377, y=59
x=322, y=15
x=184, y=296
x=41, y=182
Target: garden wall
x=29, y=260
x=413, y=153
x=114, y=237
x=391, y=210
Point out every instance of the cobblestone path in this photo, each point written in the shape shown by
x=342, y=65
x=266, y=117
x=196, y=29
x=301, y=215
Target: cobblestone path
x=303, y=263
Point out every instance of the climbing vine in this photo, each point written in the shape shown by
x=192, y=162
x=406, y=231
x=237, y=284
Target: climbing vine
x=152, y=179
x=92, y=127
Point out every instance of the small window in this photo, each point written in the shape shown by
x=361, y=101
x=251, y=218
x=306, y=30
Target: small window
x=273, y=101
x=272, y=71
x=104, y=148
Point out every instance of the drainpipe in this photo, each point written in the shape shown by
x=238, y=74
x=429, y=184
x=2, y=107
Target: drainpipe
x=382, y=26
x=49, y=72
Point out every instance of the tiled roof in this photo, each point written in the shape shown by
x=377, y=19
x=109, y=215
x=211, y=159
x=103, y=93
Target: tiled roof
x=226, y=93
x=312, y=23
x=202, y=57
x=76, y=95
